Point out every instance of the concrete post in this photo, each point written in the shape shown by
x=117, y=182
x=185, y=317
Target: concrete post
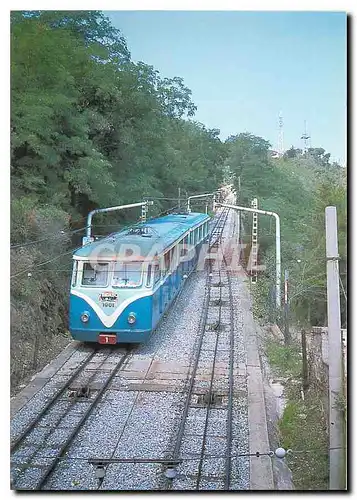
x=335, y=351
x=286, y=308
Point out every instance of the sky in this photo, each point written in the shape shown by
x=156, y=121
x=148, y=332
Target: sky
x=243, y=68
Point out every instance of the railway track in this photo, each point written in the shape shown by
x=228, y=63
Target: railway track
x=52, y=452
x=68, y=410
x=216, y=338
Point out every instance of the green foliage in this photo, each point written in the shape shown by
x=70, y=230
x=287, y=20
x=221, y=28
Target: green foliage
x=99, y=134
x=292, y=152
x=303, y=428
x=286, y=360
x=89, y=128
x=298, y=187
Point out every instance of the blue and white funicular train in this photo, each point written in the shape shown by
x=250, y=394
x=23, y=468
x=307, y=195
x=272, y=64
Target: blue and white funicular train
x=123, y=284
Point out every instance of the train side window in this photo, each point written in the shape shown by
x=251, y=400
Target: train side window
x=96, y=275
x=156, y=273
x=183, y=246
x=75, y=273
x=173, y=259
x=176, y=256
x=166, y=263
x=148, y=278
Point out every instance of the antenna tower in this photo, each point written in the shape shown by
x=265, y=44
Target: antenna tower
x=281, y=135
x=305, y=137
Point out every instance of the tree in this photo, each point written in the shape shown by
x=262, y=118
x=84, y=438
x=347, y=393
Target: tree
x=319, y=155
x=292, y=152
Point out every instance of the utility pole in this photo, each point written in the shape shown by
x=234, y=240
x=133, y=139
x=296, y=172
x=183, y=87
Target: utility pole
x=337, y=453
x=179, y=198
x=254, y=247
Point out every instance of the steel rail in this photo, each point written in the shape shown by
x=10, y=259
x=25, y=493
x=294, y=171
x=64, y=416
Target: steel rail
x=216, y=231
x=230, y=382
x=82, y=421
x=210, y=390
x=80, y=424
x=230, y=376
x=66, y=411
x=202, y=324
x=16, y=443
x=219, y=236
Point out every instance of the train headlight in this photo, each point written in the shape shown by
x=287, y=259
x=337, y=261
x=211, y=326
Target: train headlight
x=85, y=317
x=131, y=318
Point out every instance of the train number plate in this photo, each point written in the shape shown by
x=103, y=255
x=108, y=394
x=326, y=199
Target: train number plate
x=107, y=339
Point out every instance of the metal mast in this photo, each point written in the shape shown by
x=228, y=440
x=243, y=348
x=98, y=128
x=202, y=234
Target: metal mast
x=305, y=137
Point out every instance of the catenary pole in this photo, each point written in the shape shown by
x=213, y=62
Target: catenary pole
x=277, y=244
x=88, y=237
x=199, y=196
x=335, y=351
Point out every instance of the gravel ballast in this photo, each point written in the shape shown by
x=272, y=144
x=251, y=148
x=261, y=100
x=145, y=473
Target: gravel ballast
x=139, y=414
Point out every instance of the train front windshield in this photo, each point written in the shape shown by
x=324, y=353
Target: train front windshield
x=95, y=275
x=127, y=274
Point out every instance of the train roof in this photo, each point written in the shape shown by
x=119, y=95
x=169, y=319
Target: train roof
x=159, y=233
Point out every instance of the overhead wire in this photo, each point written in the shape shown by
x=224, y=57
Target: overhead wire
x=50, y=236
x=192, y=457
x=68, y=232
x=343, y=288
x=45, y=262
x=34, y=267
x=162, y=198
